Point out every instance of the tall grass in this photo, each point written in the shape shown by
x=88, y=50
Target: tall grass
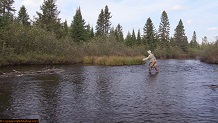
x=113, y=60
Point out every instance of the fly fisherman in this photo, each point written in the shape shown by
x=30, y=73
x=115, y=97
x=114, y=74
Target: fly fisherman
x=152, y=61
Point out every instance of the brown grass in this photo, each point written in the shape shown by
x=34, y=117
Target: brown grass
x=113, y=60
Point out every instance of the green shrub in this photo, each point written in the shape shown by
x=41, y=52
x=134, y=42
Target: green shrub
x=210, y=53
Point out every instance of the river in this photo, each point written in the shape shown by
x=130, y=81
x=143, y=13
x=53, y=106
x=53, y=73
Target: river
x=183, y=91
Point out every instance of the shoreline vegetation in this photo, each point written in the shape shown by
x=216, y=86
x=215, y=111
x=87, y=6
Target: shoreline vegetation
x=46, y=49
x=113, y=60
x=209, y=54
x=47, y=40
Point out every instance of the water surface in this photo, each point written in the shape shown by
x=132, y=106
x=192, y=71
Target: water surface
x=183, y=91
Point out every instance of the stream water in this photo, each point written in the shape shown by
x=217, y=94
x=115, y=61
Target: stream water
x=184, y=91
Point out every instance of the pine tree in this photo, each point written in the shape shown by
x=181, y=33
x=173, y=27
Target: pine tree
x=23, y=17
x=128, y=39
x=204, y=42
x=103, y=22
x=6, y=12
x=92, y=34
x=89, y=31
x=113, y=32
x=107, y=23
x=6, y=8
x=164, y=30
x=172, y=42
x=100, y=24
x=133, y=37
x=48, y=19
x=149, y=34
x=119, y=33
x=180, y=38
x=78, y=32
x=193, y=42
x=65, y=29
x=138, y=39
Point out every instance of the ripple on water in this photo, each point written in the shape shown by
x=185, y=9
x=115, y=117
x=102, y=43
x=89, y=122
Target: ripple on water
x=183, y=91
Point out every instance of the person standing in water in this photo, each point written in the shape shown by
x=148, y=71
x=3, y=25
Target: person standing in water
x=152, y=61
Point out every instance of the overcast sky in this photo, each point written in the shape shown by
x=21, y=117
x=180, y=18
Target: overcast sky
x=197, y=15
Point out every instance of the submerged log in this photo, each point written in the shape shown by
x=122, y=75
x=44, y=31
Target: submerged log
x=213, y=86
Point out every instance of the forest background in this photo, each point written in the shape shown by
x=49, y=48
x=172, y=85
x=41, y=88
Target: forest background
x=45, y=40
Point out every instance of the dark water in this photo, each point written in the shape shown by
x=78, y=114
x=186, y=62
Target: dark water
x=184, y=91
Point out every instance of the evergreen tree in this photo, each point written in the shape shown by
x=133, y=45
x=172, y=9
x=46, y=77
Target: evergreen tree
x=133, y=37
x=107, y=23
x=149, y=34
x=112, y=31
x=180, y=38
x=6, y=12
x=138, y=39
x=128, y=39
x=90, y=33
x=65, y=29
x=23, y=17
x=103, y=22
x=193, y=42
x=100, y=24
x=48, y=19
x=78, y=31
x=119, y=33
x=204, y=42
x=172, y=42
x=164, y=30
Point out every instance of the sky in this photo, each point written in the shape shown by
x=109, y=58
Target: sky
x=197, y=15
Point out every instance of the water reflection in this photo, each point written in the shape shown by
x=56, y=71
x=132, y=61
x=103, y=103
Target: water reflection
x=179, y=93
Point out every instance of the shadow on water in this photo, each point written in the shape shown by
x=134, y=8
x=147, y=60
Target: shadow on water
x=183, y=91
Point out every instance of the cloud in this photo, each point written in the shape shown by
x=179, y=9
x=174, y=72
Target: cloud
x=188, y=22
x=32, y=3
x=179, y=7
x=212, y=28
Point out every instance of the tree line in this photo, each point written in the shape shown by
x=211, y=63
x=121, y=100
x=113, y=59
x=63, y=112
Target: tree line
x=46, y=36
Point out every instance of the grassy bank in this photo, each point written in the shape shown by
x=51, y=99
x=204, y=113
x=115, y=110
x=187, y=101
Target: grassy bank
x=30, y=59
x=113, y=60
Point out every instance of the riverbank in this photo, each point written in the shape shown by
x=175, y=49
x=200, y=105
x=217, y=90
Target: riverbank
x=210, y=53
x=113, y=60
x=52, y=59
x=39, y=59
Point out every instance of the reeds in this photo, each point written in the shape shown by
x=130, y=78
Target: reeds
x=113, y=60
